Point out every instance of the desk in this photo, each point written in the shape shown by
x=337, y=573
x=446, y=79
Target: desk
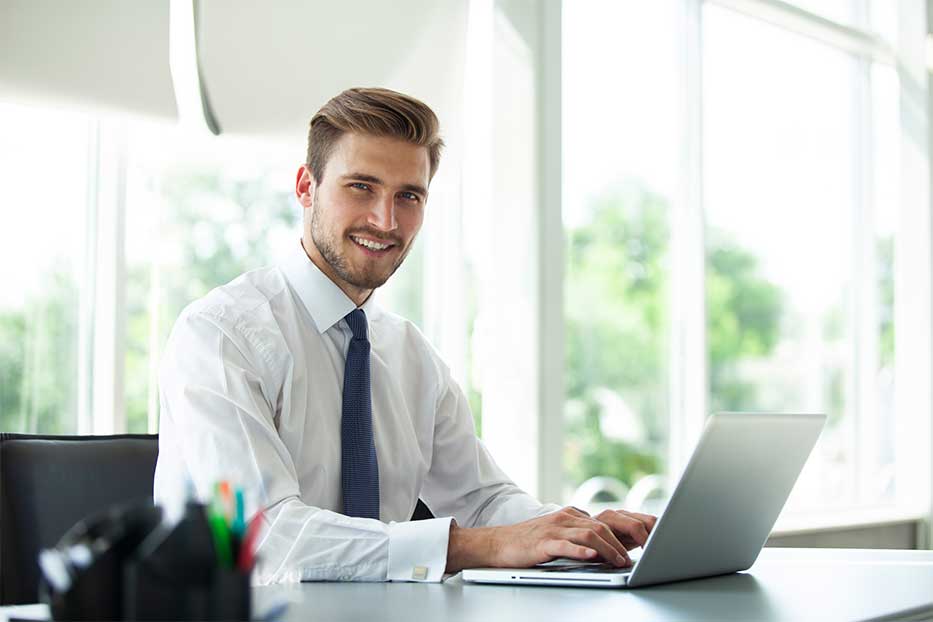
x=784, y=584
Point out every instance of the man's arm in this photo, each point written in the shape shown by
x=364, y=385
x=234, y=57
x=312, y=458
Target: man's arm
x=565, y=533
x=218, y=391
x=498, y=524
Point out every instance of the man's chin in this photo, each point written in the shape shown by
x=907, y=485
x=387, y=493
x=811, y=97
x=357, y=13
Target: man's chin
x=367, y=280
x=371, y=273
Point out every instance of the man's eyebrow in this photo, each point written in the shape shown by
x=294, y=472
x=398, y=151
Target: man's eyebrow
x=363, y=177
x=375, y=180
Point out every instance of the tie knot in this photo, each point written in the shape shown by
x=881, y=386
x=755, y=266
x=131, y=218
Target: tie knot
x=356, y=320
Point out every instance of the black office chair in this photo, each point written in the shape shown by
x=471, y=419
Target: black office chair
x=49, y=483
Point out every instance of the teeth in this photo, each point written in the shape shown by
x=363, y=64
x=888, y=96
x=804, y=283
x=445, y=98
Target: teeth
x=371, y=245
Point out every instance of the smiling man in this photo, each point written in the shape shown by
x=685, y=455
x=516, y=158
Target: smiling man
x=337, y=415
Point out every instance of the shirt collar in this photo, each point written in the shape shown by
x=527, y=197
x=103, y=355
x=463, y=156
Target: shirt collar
x=326, y=302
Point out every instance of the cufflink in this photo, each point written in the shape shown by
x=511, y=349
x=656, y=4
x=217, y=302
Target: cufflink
x=419, y=573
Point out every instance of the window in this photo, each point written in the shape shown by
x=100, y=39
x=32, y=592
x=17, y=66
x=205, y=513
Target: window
x=781, y=164
x=46, y=247
x=621, y=176
x=800, y=176
x=797, y=209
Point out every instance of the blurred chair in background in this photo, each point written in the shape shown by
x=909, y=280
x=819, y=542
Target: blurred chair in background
x=49, y=483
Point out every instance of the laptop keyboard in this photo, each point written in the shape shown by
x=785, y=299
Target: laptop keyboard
x=600, y=568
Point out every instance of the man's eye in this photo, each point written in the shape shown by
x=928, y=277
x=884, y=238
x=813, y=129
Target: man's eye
x=359, y=185
x=409, y=196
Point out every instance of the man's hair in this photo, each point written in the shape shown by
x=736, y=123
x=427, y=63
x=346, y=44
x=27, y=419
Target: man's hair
x=376, y=112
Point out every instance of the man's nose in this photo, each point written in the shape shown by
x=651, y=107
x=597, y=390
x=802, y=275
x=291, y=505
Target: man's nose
x=382, y=215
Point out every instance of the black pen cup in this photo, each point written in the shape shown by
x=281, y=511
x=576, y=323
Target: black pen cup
x=151, y=595
x=176, y=576
x=229, y=596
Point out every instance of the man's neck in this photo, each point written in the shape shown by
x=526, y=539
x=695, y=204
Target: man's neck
x=356, y=294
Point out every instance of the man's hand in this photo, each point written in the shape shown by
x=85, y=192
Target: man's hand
x=568, y=532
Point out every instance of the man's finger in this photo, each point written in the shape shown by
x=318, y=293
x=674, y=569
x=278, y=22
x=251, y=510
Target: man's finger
x=605, y=532
x=647, y=519
x=589, y=538
x=565, y=548
x=630, y=531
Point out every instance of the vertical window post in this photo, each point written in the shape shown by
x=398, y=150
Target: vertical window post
x=688, y=359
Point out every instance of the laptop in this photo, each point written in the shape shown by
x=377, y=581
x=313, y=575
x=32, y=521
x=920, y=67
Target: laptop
x=720, y=515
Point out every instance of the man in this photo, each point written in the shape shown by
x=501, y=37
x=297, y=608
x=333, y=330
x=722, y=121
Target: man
x=338, y=415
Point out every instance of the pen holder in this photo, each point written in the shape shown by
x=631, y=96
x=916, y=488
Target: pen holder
x=175, y=576
x=152, y=596
x=91, y=556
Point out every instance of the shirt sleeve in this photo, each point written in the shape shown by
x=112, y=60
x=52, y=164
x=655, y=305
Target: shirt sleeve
x=218, y=391
x=464, y=481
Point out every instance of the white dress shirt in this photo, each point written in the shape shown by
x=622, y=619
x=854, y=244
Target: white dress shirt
x=251, y=388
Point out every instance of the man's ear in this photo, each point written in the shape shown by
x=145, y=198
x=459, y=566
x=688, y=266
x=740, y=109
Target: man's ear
x=304, y=186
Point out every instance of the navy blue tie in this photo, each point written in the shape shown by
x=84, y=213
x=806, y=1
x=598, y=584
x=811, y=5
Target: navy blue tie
x=359, y=469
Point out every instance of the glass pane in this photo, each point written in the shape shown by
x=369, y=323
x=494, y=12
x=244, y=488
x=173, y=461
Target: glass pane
x=621, y=152
x=44, y=159
x=780, y=142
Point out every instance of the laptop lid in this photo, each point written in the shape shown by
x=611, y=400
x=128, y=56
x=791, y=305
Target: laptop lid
x=729, y=496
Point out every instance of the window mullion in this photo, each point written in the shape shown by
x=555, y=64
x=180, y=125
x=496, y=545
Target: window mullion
x=109, y=415
x=863, y=386
x=912, y=276
x=550, y=298
x=688, y=359
x=88, y=289
x=859, y=41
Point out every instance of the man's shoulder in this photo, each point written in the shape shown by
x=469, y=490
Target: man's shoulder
x=242, y=300
x=247, y=309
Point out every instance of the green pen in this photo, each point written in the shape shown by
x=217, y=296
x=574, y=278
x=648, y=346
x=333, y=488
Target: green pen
x=238, y=526
x=239, y=520
x=221, y=534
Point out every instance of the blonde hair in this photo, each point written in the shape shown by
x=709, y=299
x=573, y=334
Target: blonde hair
x=377, y=112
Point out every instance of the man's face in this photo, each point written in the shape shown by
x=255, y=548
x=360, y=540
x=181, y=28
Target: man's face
x=366, y=211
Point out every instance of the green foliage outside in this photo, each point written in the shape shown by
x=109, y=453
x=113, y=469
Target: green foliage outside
x=743, y=321
x=617, y=299
x=39, y=359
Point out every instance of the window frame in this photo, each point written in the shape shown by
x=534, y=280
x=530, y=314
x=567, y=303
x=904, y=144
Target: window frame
x=688, y=373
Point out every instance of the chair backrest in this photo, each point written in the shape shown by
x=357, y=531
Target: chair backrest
x=49, y=483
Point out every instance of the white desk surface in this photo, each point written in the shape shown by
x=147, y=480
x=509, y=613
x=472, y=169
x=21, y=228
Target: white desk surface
x=784, y=584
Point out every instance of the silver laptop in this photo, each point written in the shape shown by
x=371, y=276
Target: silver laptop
x=720, y=515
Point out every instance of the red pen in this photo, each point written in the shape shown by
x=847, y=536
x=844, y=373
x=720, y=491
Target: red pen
x=248, y=549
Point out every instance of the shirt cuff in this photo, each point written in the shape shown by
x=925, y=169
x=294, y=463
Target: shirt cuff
x=418, y=550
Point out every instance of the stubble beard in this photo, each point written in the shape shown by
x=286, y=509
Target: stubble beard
x=329, y=247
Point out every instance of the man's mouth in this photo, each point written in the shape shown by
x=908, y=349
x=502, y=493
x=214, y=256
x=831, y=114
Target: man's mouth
x=373, y=246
